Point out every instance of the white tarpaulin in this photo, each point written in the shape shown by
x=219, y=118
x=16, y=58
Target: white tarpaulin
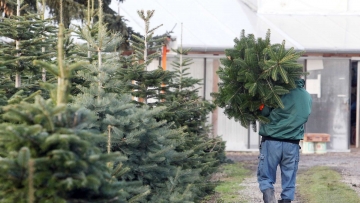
x=213, y=24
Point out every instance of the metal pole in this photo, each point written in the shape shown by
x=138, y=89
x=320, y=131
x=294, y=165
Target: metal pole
x=248, y=141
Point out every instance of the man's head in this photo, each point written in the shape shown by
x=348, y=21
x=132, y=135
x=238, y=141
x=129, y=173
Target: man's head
x=300, y=82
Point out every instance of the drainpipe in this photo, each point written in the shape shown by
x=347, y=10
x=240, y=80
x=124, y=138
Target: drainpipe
x=204, y=95
x=163, y=59
x=164, y=51
x=215, y=88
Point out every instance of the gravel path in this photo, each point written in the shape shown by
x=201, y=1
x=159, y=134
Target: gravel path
x=348, y=164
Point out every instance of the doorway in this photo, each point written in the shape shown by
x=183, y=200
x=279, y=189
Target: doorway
x=328, y=83
x=353, y=103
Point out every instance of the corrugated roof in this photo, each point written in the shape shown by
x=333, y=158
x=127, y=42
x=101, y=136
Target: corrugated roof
x=212, y=25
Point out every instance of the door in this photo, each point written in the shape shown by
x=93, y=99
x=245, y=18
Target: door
x=329, y=85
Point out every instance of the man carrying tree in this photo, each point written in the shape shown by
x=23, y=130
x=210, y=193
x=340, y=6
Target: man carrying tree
x=257, y=73
x=280, y=143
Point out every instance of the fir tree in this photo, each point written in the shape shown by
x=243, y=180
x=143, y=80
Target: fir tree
x=78, y=10
x=3, y=102
x=142, y=83
x=255, y=73
x=24, y=38
x=49, y=152
x=100, y=94
x=58, y=142
x=185, y=108
x=133, y=131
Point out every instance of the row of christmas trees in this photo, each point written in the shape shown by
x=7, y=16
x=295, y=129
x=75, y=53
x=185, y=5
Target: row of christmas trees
x=85, y=124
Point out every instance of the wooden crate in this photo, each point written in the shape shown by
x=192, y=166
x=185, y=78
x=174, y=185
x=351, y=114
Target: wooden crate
x=320, y=147
x=307, y=147
x=316, y=137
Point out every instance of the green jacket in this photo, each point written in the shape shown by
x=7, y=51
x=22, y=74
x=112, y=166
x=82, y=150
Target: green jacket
x=288, y=123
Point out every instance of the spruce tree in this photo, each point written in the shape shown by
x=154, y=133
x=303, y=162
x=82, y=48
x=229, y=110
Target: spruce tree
x=255, y=73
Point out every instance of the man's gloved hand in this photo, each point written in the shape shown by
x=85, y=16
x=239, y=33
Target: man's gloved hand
x=261, y=107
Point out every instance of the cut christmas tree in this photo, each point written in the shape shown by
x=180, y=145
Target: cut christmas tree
x=256, y=73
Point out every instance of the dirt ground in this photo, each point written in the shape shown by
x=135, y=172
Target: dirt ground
x=347, y=163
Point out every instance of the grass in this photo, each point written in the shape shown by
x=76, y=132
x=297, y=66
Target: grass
x=230, y=177
x=322, y=184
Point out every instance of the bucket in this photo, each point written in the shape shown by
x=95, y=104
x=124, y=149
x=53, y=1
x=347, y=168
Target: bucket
x=307, y=147
x=320, y=147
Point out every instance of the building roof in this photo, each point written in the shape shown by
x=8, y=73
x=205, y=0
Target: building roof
x=212, y=25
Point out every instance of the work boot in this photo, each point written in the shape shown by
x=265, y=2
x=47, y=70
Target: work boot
x=269, y=196
x=284, y=201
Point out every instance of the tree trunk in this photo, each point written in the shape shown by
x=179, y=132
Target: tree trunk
x=17, y=46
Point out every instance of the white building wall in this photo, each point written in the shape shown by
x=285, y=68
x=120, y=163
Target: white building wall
x=153, y=65
x=232, y=132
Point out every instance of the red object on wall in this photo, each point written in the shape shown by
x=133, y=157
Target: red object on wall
x=163, y=57
x=164, y=51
